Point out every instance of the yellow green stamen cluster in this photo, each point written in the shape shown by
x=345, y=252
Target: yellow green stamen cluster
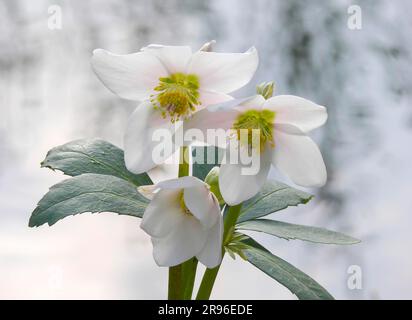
x=261, y=120
x=178, y=96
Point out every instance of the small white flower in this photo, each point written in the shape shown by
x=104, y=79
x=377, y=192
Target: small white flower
x=173, y=83
x=283, y=122
x=184, y=221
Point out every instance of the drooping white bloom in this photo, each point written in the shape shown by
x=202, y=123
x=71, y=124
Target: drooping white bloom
x=283, y=122
x=184, y=220
x=172, y=83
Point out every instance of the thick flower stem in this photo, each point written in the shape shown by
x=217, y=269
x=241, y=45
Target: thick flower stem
x=184, y=162
x=178, y=274
x=188, y=275
x=210, y=275
x=175, y=283
x=207, y=283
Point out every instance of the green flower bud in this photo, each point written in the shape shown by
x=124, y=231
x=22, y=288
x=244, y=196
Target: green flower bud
x=266, y=89
x=212, y=179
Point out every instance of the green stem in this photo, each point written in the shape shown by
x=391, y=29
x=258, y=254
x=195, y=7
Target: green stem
x=190, y=266
x=210, y=275
x=184, y=162
x=175, y=283
x=177, y=286
x=189, y=275
x=230, y=220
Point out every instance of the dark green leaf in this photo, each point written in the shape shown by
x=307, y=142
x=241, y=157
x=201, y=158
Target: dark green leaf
x=88, y=193
x=273, y=197
x=204, y=159
x=299, y=283
x=290, y=231
x=92, y=156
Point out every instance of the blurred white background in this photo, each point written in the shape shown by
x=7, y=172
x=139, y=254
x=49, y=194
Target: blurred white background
x=49, y=96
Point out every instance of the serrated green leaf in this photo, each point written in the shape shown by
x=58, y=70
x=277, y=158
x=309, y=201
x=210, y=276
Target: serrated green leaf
x=290, y=231
x=299, y=283
x=92, y=156
x=88, y=193
x=204, y=159
x=273, y=197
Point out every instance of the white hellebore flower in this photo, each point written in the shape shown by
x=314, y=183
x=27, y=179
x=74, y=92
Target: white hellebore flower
x=173, y=83
x=283, y=122
x=184, y=220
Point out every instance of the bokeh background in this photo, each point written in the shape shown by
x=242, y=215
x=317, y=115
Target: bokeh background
x=49, y=96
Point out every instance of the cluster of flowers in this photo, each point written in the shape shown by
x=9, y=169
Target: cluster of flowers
x=182, y=90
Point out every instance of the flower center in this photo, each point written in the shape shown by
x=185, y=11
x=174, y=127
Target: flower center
x=178, y=95
x=183, y=204
x=261, y=120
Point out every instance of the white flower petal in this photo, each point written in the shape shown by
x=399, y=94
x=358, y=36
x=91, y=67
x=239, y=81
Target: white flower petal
x=184, y=242
x=202, y=204
x=138, y=140
x=174, y=58
x=208, y=98
x=163, y=213
x=224, y=72
x=227, y=105
x=211, y=254
x=177, y=236
x=288, y=128
x=181, y=183
x=297, y=111
x=299, y=157
x=206, y=119
x=167, y=170
x=255, y=102
x=235, y=186
x=131, y=76
x=148, y=191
